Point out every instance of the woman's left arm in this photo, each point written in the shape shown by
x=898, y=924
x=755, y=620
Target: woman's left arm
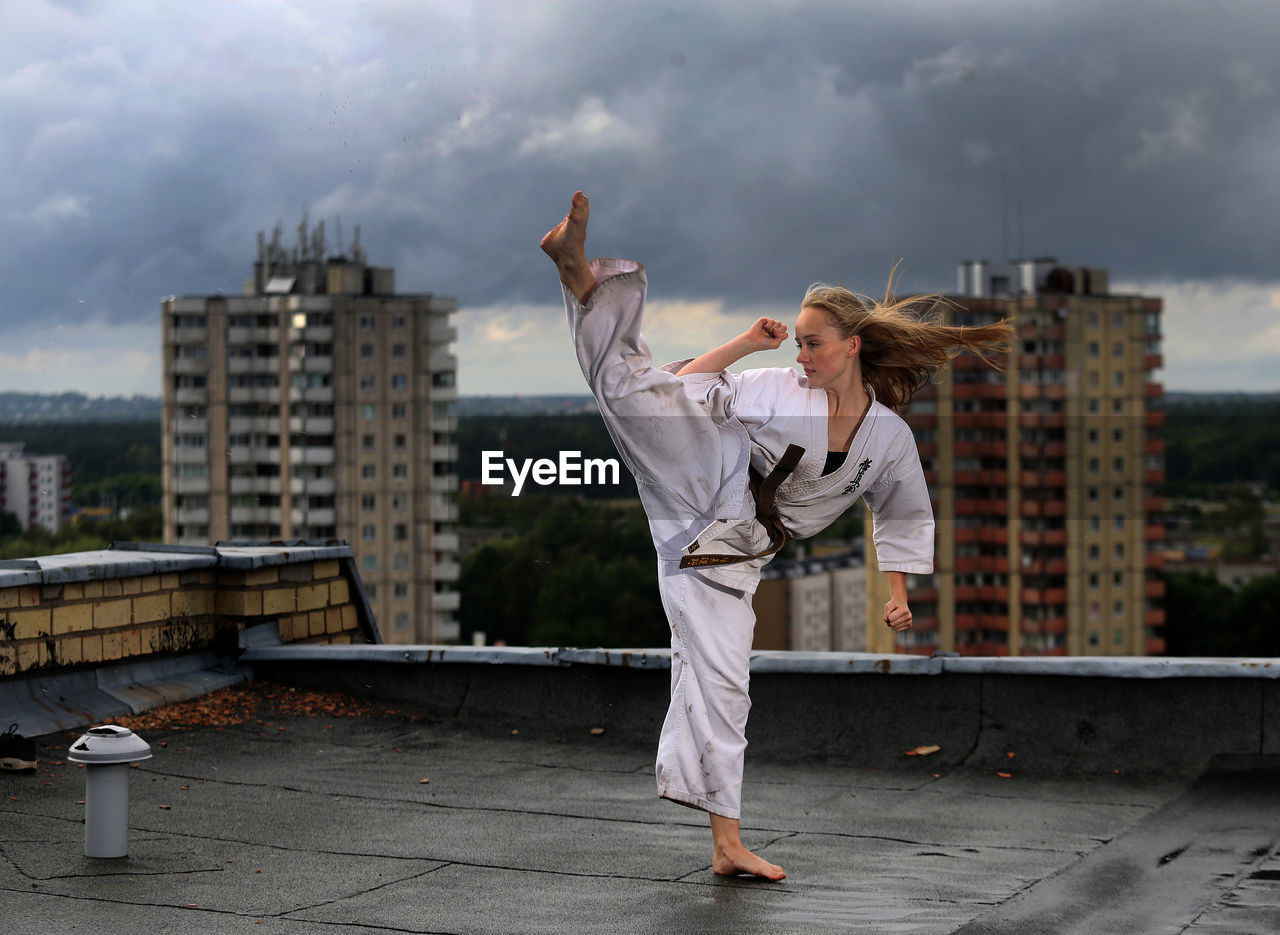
x=896, y=612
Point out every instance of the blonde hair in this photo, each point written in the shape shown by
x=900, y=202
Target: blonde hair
x=903, y=343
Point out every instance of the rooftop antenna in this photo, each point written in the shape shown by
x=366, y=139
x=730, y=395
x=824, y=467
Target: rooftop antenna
x=1004, y=212
x=1022, y=248
x=341, y=251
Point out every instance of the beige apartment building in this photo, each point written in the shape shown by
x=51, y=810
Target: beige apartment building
x=320, y=405
x=1042, y=477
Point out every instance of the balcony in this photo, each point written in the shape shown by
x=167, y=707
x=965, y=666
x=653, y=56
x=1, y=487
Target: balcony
x=254, y=485
x=322, y=455
x=1154, y=390
x=1154, y=617
x=1154, y=589
x=191, y=365
x=1154, y=532
x=1153, y=418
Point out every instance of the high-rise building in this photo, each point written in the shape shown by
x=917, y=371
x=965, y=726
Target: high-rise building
x=1042, y=476
x=34, y=488
x=320, y=404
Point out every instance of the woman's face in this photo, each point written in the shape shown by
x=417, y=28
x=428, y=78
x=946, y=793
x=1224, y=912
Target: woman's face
x=825, y=356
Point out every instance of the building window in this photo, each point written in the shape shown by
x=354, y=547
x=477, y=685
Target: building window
x=399, y=381
x=1093, y=493
x=1119, y=637
x=400, y=442
x=398, y=410
x=1118, y=463
x=368, y=471
x=1093, y=465
x=1119, y=521
x=400, y=471
x=402, y=621
x=366, y=442
x=1119, y=551
x=1093, y=579
x=1117, y=578
x=1118, y=493
x=370, y=563
x=1119, y=609
x=1093, y=407
x=1119, y=378
x=1117, y=406
x=1117, y=319
x=366, y=322
x=398, y=322
x=399, y=501
x=399, y=351
x=402, y=591
x=368, y=381
x=1094, y=524
x=1093, y=319
x=1117, y=349
x=368, y=502
x=371, y=591
x=1095, y=551
x=1093, y=348
x=1117, y=435
x=366, y=352
x=1093, y=435
x=367, y=412
x=401, y=561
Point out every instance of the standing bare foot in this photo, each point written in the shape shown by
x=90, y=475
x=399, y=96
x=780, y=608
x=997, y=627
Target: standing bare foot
x=730, y=857
x=566, y=245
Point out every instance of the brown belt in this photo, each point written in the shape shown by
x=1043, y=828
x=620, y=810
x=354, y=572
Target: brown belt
x=764, y=489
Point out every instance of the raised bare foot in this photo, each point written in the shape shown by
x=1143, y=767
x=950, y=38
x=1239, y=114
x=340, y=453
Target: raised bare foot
x=732, y=861
x=566, y=245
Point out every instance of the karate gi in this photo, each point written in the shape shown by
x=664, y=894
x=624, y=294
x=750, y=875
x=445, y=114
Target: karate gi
x=689, y=441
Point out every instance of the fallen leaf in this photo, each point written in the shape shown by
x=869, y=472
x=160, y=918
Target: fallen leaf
x=423, y=781
x=597, y=731
x=1005, y=775
x=925, y=750
x=1011, y=754
x=514, y=732
x=166, y=807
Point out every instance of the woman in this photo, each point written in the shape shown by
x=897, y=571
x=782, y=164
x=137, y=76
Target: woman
x=729, y=466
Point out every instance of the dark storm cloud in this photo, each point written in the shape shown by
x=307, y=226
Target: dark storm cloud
x=740, y=150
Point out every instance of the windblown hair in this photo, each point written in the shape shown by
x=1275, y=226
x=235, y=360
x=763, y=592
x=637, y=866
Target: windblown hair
x=903, y=342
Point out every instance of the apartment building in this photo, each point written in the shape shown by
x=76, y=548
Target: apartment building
x=35, y=488
x=320, y=404
x=1041, y=476
x=813, y=604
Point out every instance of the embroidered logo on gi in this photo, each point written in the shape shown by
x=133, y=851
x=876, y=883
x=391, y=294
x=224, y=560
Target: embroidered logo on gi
x=857, y=480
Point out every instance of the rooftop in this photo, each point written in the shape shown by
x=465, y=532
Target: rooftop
x=271, y=802
x=308, y=779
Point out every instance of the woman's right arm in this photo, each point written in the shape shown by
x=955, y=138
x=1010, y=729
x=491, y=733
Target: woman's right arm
x=766, y=334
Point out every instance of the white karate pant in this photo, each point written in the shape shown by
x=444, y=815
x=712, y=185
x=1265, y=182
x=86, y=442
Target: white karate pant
x=687, y=468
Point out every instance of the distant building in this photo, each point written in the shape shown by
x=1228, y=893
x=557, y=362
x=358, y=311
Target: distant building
x=812, y=605
x=320, y=404
x=35, y=488
x=1042, y=477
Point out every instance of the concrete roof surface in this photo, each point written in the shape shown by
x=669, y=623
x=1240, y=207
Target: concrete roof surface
x=306, y=822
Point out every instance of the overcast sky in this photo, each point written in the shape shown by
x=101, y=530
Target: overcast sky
x=741, y=149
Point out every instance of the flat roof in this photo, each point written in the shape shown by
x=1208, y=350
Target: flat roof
x=311, y=811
